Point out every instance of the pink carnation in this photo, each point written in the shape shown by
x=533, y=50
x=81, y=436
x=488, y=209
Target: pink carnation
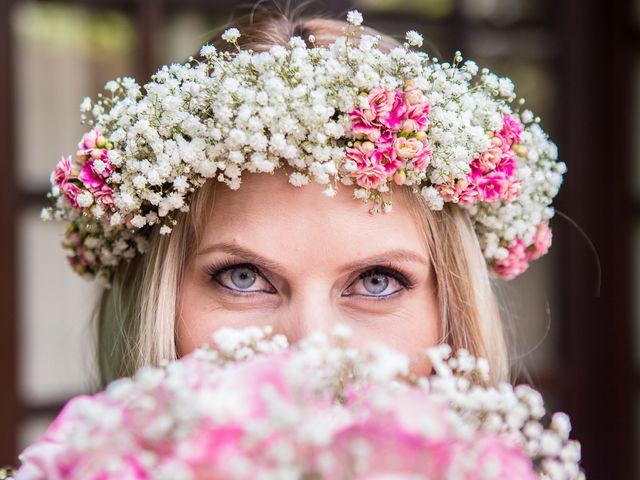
x=511, y=129
x=92, y=176
x=381, y=101
x=516, y=262
x=89, y=140
x=369, y=173
x=387, y=158
x=393, y=118
x=541, y=241
x=492, y=186
x=423, y=160
x=71, y=192
x=62, y=173
x=361, y=125
x=419, y=113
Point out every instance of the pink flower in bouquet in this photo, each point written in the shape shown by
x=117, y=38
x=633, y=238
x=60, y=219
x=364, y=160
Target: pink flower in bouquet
x=516, y=262
x=387, y=158
x=381, y=101
x=422, y=160
x=491, y=457
x=511, y=130
x=90, y=141
x=62, y=173
x=407, y=147
x=461, y=191
x=419, y=114
x=506, y=165
x=492, y=186
x=363, y=126
x=488, y=160
x=541, y=241
x=105, y=196
x=94, y=172
x=394, y=117
x=71, y=192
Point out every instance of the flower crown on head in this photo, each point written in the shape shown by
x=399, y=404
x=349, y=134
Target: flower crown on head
x=344, y=114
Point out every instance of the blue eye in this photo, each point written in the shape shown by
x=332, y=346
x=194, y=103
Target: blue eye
x=378, y=283
x=242, y=278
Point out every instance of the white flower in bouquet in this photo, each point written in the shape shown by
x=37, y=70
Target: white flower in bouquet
x=250, y=406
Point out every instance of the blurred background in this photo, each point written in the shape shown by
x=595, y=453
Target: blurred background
x=574, y=316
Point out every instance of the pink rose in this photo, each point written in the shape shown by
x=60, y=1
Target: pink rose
x=71, y=192
x=418, y=113
x=414, y=96
x=370, y=175
x=492, y=186
x=358, y=155
x=386, y=139
x=62, y=172
x=515, y=263
x=386, y=157
x=407, y=147
x=506, y=165
x=381, y=101
x=393, y=118
x=90, y=140
x=488, y=159
x=422, y=161
x=511, y=129
x=462, y=191
x=95, y=171
x=104, y=196
x=541, y=241
x=362, y=126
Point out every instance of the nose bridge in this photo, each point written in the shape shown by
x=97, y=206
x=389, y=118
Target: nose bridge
x=310, y=309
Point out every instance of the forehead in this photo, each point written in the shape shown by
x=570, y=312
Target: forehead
x=287, y=223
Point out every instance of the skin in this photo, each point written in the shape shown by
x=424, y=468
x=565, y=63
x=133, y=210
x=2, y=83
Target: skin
x=305, y=262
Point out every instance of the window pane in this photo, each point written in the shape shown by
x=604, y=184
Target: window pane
x=55, y=305
x=62, y=54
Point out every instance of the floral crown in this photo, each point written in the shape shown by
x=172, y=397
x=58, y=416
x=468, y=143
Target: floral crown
x=343, y=114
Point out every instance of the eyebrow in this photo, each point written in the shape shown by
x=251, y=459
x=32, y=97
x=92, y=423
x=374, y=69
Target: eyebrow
x=395, y=255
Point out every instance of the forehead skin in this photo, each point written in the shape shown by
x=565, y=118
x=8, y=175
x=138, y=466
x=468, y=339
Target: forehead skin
x=308, y=224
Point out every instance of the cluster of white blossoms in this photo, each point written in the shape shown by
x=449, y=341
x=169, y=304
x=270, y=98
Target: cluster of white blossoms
x=347, y=114
x=250, y=406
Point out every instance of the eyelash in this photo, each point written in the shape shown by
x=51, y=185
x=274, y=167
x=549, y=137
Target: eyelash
x=218, y=268
x=402, y=279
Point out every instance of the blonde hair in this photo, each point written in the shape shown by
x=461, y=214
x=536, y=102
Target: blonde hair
x=135, y=318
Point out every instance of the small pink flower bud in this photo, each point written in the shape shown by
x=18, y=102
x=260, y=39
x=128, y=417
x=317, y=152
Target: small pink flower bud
x=400, y=177
x=409, y=126
x=101, y=142
x=368, y=147
x=374, y=135
x=369, y=114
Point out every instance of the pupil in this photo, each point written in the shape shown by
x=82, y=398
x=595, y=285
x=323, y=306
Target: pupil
x=243, y=278
x=376, y=283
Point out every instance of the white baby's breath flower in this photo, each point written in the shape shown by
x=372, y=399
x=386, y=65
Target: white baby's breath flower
x=414, y=38
x=231, y=35
x=85, y=199
x=354, y=17
x=165, y=230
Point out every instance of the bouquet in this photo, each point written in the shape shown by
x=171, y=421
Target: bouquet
x=249, y=406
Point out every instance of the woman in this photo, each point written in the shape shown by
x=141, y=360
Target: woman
x=264, y=252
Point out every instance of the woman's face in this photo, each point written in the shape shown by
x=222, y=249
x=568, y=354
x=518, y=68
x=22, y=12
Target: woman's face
x=274, y=254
